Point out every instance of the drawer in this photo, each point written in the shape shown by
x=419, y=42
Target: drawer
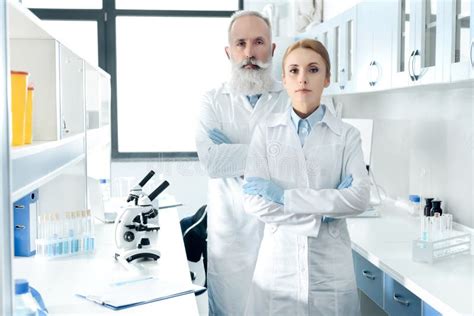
x=429, y=311
x=369, y=278
x=399, y=300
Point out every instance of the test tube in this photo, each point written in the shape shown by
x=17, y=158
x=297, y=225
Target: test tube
x=449, y=222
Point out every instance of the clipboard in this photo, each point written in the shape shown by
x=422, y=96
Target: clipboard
x=126, y=294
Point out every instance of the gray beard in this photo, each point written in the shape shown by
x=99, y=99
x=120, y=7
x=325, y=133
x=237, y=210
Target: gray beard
x=250, y=81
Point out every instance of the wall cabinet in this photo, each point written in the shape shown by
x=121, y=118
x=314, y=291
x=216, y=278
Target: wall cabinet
x=338, y=35
x=418, y=42
x=59, y=86
x=459, y=44
x=379, y=45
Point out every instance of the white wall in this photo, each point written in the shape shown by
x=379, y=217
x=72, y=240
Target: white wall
x=423, y=143
x=188, y=182
x=331, y=8
x=285, y=9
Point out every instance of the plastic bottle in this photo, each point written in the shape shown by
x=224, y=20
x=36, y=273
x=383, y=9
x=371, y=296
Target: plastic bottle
x=25, y=304
x=415, y=205
x=105, y=188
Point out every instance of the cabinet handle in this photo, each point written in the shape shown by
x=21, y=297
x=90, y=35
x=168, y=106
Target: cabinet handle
x=471, y=51
x=65, y=129
x=342, y=71
x=398, y=298
x=373, y=63
x=416, y=53
x=411, y=69
x=368, y=275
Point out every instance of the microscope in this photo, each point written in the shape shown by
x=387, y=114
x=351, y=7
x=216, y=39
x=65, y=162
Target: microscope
x=137, y=191
x=136, y=229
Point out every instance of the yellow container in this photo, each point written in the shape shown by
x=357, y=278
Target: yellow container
x=29, y=116
x=19, y=84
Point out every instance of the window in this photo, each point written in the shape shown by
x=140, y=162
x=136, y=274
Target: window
x=163, y=68
x=162, y=55
x=63, y=4
x=214, y=5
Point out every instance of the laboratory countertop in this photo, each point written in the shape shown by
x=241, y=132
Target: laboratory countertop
x=59, y=279
x=386, y=241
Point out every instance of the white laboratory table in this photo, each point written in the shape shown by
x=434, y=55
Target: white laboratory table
x=386, y=241
x=58, y=280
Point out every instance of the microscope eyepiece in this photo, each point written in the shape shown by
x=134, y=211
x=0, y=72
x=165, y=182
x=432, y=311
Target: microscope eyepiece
x=147, y=178
x=158, y=190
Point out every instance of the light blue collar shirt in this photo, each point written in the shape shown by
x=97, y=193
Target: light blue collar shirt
x=253, y=99
x=304, y=126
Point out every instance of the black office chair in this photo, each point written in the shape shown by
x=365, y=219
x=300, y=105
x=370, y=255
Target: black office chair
x=194, y=230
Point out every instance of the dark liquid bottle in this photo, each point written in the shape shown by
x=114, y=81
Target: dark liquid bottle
x=436, y=207
x=428, y=206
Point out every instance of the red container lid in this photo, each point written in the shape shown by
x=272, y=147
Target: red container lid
x=14, y=72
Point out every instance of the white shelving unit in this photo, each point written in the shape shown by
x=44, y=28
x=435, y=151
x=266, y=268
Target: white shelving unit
x=71, y=128
x=5, y=202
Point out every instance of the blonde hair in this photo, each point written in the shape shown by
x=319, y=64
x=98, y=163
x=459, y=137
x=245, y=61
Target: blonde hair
x=315, y=46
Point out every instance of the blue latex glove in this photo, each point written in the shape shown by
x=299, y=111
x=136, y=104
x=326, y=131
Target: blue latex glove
x=345, y=183
x=42, y=311
x=265, y=188
x=218, y=137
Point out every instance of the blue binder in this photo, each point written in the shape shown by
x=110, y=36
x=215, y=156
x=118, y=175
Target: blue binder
x=24, y=221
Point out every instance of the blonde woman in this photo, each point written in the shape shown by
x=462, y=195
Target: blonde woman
x=305, y=173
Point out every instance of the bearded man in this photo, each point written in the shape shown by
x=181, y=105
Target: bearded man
x=227, y=119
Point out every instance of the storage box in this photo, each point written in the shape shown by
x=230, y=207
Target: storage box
x=24, y=220
x=19, y=84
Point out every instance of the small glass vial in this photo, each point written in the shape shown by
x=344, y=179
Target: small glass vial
x=415, y=204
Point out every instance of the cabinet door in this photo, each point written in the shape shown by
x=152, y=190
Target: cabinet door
x=375, y=23
x=333, y=35
x=427, y=55
x=429, y=311
x=364, y=46
x=369, y=278
x=341, y=38
x=72, y=93
x=348, y=37
x=460, y=40
x=403, y=43
x=381, y=64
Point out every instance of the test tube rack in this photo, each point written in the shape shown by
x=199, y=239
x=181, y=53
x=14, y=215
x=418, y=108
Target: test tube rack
x=448, y=244
x=66, y=234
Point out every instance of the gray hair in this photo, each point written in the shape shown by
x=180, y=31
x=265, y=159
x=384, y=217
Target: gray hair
x=239, y=14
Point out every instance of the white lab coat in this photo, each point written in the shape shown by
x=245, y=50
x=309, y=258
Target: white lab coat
x=305, y=266
x=233, y=235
